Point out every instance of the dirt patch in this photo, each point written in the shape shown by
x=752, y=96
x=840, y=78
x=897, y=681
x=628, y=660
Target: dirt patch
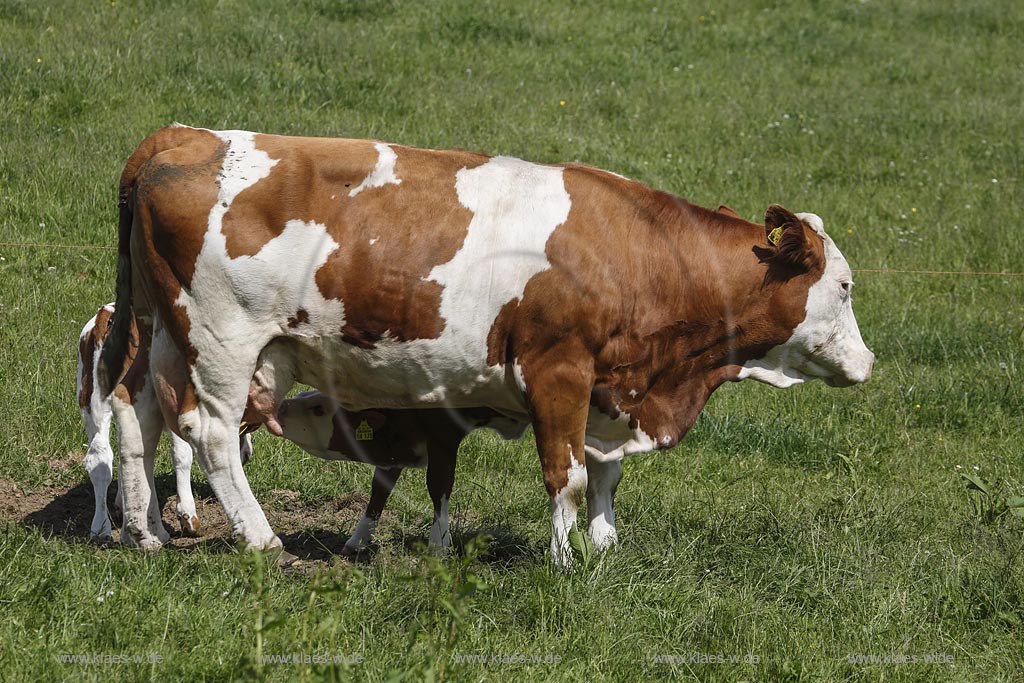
x=67, y=513
x=313, y=530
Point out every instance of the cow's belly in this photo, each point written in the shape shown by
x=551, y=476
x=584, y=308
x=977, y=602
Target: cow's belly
x=415, y=374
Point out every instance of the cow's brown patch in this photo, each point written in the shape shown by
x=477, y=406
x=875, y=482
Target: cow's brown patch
x=498, y=338
x=301, y=317
x=391, y=238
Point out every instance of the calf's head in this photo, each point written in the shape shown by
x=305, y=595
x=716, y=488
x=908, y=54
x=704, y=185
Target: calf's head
x=307, y=420
x=825, y=342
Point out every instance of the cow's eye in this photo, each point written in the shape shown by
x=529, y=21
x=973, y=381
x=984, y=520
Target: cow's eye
x=318, y=410
x=847, y=286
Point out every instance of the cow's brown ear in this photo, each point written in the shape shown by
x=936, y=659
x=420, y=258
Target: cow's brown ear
x=788, y=236
x=727, y=211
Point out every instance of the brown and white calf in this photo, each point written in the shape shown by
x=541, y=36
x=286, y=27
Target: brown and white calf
x=390, y=440
x=97, y=413
x=599, y=310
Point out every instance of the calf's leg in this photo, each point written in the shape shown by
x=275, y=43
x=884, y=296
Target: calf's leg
x=384, y=479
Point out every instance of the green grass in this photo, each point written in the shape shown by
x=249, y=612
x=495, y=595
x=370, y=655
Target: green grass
x=800, y=526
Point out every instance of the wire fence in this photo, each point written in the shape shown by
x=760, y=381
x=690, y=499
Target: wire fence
x=902, y=271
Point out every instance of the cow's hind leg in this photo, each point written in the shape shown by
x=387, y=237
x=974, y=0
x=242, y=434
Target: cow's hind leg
x=602, y=480
x=214, y=401
x=384, y=479
x=139, y=425
x=188, y=518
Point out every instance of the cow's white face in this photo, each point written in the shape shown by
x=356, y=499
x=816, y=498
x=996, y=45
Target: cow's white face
x=307, y=420
x=827, y=344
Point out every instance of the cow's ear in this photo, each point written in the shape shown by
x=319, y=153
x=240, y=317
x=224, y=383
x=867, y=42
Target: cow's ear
x=788, y=237
x=373, y=418
x=727, y=211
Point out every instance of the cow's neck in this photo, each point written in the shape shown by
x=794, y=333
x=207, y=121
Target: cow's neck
x=716, y=315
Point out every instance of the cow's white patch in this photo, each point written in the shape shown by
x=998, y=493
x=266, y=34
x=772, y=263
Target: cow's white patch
x=374, y=241
x=516, y=207
x=609, y=440
x=632, y=393
x=383, y=173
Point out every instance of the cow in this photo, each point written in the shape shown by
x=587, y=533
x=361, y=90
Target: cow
x=97, y=412
x=390, y=440
x=599, y=310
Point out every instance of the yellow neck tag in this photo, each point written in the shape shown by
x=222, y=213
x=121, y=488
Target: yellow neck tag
x=242, y=427
x=364, y=432
x=774, y=236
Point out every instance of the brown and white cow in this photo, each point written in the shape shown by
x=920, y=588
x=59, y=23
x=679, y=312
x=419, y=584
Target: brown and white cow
x=390, y=440
x=600, y=310
x=97, y=412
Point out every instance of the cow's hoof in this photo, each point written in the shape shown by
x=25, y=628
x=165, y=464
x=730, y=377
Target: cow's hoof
x=147, y=543
x=101, y=538
x=190, y=526
x=286, y=559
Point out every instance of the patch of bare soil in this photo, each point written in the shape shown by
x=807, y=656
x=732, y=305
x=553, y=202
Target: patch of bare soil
x=314, y=531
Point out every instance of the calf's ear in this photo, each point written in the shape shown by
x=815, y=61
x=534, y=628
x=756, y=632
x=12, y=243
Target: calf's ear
x=727, y=211
x=788, y=237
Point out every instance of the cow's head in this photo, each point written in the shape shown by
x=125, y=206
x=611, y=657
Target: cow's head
x=825, y=342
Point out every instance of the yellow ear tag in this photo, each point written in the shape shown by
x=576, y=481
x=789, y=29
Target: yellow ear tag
x=242, y=427
x=774, y=236
x=364, y=432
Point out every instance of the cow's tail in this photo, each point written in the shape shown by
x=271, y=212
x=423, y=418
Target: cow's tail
x=116, y=345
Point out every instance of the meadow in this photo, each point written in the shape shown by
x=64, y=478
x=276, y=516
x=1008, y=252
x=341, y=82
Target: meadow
x=813, y=534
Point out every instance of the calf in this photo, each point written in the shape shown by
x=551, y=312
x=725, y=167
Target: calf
x=97, y=412
x=390, y=440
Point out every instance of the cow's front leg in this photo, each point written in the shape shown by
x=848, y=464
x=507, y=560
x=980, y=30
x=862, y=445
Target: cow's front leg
x=188, y=518
x=602, y=480
x=440, y=480
x=559, y=403
x=384, y=479
x=139, y=425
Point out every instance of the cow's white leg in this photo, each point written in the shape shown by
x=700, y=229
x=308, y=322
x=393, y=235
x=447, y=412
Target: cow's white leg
x=139, y=424
x=99, y=463
x=565, y=505
x=220, y=381
x=181, y=453
x=384, y=479
x=602, y=480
